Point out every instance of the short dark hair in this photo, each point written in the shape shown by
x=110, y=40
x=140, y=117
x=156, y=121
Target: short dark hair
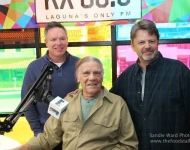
x=147, y=25
x=53, y=24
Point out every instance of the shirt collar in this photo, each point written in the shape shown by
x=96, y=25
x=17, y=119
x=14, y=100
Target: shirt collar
x=67, y=56
x=47, y=58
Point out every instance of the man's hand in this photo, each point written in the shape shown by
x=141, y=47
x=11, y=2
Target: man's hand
x=23, y=147
x=73, y=92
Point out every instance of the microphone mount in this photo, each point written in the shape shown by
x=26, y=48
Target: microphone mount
x=9, y=121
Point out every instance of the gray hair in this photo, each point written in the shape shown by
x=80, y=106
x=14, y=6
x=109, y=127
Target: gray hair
x=88, y=59
x=147, y=25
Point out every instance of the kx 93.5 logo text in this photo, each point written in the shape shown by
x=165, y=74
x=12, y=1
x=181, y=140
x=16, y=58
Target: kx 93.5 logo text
x=87, y=10
x=87, y=4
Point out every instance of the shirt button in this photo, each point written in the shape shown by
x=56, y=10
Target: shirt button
x=144, y=119
x=140, y=105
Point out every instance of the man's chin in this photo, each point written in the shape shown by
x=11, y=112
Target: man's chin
x=148, y=58
x=93, y=91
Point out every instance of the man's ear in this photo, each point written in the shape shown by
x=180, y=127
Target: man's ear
x=132, y=46
x=131, y=43
x=77, y=78
x=45, y=42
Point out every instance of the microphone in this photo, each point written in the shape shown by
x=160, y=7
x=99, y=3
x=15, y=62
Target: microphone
x=57, y=106
x=42, y=95
x=38, y=93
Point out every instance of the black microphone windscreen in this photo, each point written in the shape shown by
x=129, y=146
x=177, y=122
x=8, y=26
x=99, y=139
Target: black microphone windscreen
x=39, y=94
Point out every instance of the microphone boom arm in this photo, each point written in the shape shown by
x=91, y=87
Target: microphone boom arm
x=10, y=121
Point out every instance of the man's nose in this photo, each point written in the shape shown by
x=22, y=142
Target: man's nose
x=58, y=42
x=91, y=76
x=147, y=44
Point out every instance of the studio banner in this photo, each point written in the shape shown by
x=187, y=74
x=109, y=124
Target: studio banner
x=86, y=10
